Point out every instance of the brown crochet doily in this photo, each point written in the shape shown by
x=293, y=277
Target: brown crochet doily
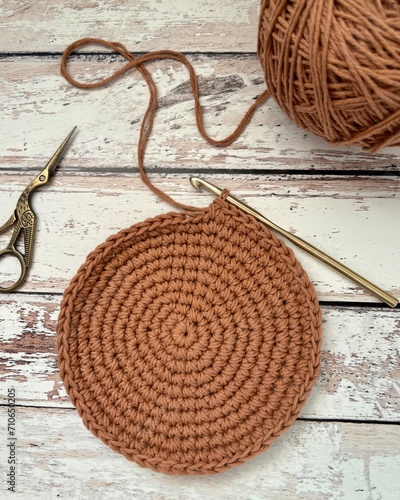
x=189, y=342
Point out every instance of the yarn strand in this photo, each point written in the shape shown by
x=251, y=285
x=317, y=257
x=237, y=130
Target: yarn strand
x=148, y=118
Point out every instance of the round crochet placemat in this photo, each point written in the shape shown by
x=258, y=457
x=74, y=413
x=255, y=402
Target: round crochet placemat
x=189, y=342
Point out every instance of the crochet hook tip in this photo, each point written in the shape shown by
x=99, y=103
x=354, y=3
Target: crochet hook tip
x=196, y=182
x=199, y=183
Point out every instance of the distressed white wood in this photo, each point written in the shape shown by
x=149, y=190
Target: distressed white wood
x=59, y=458
x=96, y=192
x=359, y=370
x=355, y=220
x=195, y=25
x=38, y=108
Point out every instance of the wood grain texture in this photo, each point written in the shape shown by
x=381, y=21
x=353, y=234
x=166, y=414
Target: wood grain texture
x=141, y=25
x=60, y=458
x=37, y=99
x=355, y=384
x=77, y=212
x=346, y=443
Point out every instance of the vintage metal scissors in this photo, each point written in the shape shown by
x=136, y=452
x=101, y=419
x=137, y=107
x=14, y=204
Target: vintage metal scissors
x=24, y=218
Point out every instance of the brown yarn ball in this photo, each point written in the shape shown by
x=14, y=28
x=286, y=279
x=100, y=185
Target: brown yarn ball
x=333, y=66
x=190, y=342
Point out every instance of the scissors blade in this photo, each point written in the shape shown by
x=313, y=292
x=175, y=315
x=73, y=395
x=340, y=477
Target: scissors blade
x=55, y=159
x=44, y=176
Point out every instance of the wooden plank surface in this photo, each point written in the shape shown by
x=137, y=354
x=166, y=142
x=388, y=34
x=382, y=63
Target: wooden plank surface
x=94, y=207
x=343, y=391
x=345, y=201
x=143, y=25
x=60, y=458
x=36, y=99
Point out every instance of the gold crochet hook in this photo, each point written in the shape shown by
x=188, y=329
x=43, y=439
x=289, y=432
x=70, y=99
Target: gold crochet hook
x=318, y=254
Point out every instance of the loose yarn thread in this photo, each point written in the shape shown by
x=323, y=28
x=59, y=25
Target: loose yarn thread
x=334, y=67
x=148, y=119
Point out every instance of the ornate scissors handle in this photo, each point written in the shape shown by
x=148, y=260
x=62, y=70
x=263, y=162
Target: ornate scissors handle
x=24, y=218
x=25, y=223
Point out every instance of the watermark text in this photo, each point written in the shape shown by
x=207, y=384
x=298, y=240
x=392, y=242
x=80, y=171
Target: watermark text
x=11, y=441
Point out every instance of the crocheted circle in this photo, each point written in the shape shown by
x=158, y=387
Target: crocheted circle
x=189, y=342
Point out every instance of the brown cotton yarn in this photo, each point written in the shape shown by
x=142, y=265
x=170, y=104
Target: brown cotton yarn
x=189, y=342
x=334, y=67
